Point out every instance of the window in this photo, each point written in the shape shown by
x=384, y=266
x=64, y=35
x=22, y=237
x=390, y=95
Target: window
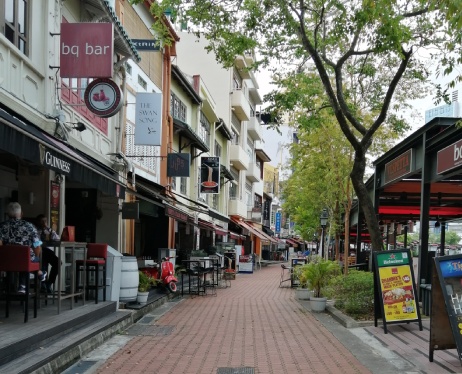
x=72, y=92
x=174, y=183
x=215, y=201
x=235, y=138
x=183, y=185
x=233, y=191
x=15, y=23
x=177, y=108
x=248, y=194
x=142, y=82
x=237, y=81
x=217, y=149
x=128, y=68
x=204, y=131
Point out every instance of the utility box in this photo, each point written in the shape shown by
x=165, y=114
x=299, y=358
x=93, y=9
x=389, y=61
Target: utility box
x=113, y=275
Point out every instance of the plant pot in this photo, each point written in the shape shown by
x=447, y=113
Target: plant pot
x=303, y=293
x=318, y=304
x=142, y=297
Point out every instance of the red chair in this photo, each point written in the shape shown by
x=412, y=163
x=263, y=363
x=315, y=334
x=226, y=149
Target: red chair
x=96, y=262
x=16, y=258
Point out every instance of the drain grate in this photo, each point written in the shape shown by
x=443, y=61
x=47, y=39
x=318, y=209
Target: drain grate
x=146, y=319
x=243, y=370
x=150, y=330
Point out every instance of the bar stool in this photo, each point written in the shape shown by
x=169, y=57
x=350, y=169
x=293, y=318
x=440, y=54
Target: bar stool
x=16, y=258
x=285, y=270
x=94, y=263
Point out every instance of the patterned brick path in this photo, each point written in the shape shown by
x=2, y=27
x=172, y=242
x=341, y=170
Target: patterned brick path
x=252, y=324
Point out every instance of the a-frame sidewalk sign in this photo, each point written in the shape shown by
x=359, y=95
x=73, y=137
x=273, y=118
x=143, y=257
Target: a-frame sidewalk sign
x=446, y=305
x=395, y=293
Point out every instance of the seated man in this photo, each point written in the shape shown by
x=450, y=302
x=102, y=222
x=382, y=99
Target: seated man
x=18, y=231
x=47, y=234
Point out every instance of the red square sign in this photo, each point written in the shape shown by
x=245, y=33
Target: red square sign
x=86, y=50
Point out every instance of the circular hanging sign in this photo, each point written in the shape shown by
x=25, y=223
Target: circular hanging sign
x=103, y=97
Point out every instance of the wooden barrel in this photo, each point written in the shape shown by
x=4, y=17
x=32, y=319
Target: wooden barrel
x=129, y=279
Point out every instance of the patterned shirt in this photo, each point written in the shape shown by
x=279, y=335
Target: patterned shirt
x=18, y=231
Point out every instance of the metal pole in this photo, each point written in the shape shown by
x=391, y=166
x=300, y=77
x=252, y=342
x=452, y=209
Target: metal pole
x=322, y=242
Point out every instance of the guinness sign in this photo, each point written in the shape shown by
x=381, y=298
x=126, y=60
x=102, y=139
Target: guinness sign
x=54, y=161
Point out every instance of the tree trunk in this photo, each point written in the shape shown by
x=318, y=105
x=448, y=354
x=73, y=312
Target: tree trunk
x=365, y=202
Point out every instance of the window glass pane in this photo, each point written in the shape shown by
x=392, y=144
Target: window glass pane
x=74, y=84
x=9, y=33
x=22, y=46
x=22, y=17
x=9, y=11
x=83, y=86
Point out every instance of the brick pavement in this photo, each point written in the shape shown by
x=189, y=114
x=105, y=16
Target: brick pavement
x=253, y=324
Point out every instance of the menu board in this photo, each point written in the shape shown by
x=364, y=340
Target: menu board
x=449, y=272
x=395, y=289
x=245, y=264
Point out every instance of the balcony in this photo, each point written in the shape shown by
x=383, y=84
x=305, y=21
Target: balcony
x=237, y=208
x=253, y=173
x=238, y=157
x=254, y=214
x=254, y=128
x=249, y=57
x=240, y=105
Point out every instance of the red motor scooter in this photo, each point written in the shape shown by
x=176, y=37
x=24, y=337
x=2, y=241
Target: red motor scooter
x=166, y=275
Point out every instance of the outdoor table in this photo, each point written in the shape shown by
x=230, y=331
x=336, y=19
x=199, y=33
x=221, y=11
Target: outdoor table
x=72, y=248
x=202, y=263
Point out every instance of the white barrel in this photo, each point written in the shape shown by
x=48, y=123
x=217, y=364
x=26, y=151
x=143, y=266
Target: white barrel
x=129, y=279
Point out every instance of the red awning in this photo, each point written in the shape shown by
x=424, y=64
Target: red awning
x=250, y=228
x=292, y=242
x=442, y=211
x=211, y=227
x=268, y=237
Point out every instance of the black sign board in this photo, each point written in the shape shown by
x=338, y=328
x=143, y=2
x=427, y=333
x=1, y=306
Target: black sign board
x=130, y=210
x=210, y=175
x=146, y=44
x=178, y=164
x=447, y=290
x=395, y=293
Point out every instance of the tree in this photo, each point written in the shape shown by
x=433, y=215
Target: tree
x=375, y=41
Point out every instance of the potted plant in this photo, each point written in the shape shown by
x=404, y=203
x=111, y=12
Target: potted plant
x=318, y=273
x=144, y=286
x=303, y=290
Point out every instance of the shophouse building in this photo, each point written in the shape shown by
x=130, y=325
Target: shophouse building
x=55, y=150
x=236, y=93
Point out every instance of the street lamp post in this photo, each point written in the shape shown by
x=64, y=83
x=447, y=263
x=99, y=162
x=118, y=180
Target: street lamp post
x=324, y=217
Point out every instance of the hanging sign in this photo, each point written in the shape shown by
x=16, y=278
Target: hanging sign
x=210, y=175
x=395, y=289
x=446, y=308
x=148, y=118
x=86, y=50
x=103, y=97
x=277, y=228
x=178, y=164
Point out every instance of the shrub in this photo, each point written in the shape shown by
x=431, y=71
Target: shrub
x=145, y=282
x=354, y=293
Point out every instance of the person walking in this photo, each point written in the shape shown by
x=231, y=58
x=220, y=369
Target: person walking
x=15, y=230
x=49, y=257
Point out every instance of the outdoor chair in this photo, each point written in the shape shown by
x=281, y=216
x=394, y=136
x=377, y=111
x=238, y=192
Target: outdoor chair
x=286, y=274
x=95, y=262
x=16, y=259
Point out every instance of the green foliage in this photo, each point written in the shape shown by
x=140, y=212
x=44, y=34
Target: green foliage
x=317, y=274
x=353, y=293
x=145, y=282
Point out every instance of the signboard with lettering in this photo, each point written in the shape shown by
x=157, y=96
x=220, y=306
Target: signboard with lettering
x=448, y=110
x=178, y=164
x=395, y=289
x=449, y=158
x=146, y=45
x=54, y=160
x=148, y=118
x=399, y=167
x=103, y=97
x=446, y=308
x=175, y=213
x=210, y=175
x=86, y=50
x=277, y=225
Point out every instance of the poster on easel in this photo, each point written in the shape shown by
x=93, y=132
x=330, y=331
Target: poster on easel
x=446, y=305
x=395, y=292
x=54, y=206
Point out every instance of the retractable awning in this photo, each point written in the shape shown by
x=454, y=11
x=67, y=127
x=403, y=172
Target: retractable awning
x=27, y=141
x=250, y=228
x=268, y=237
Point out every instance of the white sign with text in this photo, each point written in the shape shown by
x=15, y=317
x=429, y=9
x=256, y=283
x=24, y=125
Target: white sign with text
x=148, y=118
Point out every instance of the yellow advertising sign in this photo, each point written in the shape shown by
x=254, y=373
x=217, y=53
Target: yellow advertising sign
x=397, y=293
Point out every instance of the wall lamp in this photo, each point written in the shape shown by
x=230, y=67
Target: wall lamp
x=79, y=126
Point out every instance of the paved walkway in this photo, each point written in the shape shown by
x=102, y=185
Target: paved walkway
x=256, y=327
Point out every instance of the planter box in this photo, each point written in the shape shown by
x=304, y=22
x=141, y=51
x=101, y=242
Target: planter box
x=303, y=293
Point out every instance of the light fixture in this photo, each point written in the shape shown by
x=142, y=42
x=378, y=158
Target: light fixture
x=437, y=224
x=79, y=126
